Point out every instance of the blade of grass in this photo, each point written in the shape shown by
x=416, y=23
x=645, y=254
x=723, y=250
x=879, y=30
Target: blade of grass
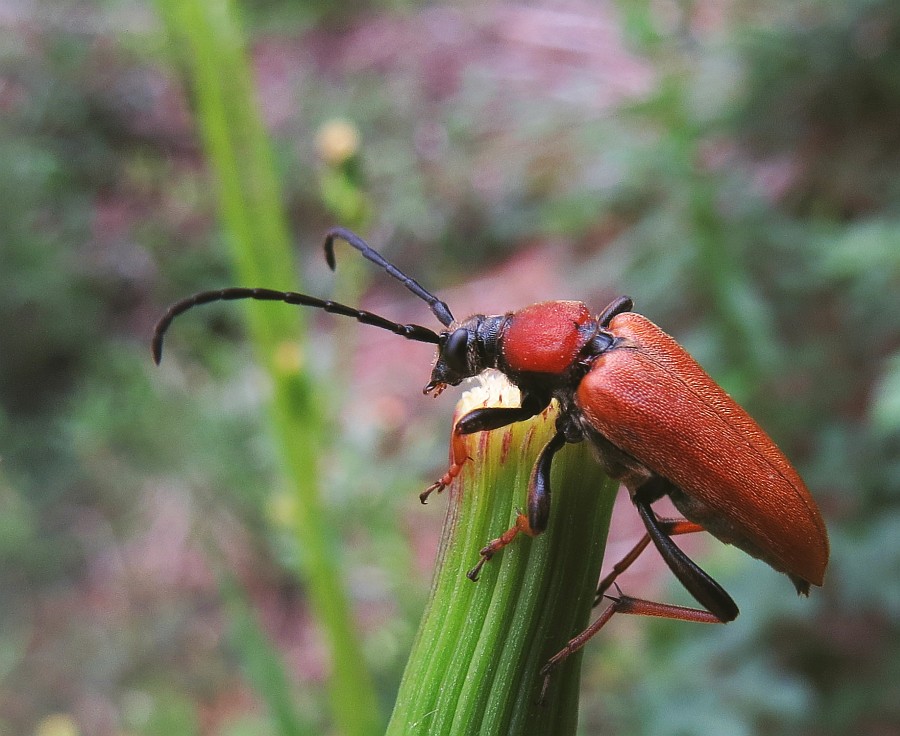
x=206, y=39
x=264, y=667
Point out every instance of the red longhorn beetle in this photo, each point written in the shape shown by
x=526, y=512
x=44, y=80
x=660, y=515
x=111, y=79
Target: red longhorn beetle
x=657, y=421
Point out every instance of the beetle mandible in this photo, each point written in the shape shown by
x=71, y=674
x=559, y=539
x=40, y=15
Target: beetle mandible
x=656, y=421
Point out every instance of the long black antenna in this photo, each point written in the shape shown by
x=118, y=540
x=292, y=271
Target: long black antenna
x=410, y=332
x=438, y=308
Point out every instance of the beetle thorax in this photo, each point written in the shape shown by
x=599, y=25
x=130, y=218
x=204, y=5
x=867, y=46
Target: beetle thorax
x=547, y=338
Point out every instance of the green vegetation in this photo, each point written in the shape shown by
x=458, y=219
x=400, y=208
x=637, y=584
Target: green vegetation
x=476, y=663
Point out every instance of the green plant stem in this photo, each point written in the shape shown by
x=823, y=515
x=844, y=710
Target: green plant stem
x=261, y=663
x=476, y=660
x=208, y=42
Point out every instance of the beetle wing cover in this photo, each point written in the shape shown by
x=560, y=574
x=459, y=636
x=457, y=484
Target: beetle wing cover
x=650, y=398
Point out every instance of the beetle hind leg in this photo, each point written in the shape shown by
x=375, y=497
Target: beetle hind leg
x=623, y=604
x=670, y=527
x=718, y=607
x=705, y=590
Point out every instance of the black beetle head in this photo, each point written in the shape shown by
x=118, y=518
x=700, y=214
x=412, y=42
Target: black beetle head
x=458, y=356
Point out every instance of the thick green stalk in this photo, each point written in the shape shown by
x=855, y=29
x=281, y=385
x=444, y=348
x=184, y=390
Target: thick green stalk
x=476, y=660
x=208, y=42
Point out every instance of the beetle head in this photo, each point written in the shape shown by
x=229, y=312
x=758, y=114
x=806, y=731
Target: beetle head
x=459, y=356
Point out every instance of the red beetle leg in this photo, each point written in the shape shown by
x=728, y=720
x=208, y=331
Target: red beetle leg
x=458, y=457
x=669, y=526
x=624, y=604
x=535, y=522
x=481, y=420
x=495, y=545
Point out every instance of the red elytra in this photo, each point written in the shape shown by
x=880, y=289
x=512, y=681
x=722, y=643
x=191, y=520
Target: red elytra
x=652, y=400
x=658, y=422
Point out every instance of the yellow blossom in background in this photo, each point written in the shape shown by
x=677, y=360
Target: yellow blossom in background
x=281, y=509
x=337, y=141
x=57, y=724
x=289, y=357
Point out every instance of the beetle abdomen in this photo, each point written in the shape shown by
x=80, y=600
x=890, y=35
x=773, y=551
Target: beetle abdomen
x=648, y=397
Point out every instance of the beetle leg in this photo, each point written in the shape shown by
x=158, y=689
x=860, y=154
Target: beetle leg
x=624, y=604
x=458, y=456
x=494, y=417
x=707, y=591
x=535, y=522
x=495, y=545
x=669, y=526
x=718, y=607
x=481, y=420
x=539, y=485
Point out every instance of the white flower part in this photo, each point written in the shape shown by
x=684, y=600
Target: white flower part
x=491, y=388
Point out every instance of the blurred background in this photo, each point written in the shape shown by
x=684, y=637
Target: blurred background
x=734, y=166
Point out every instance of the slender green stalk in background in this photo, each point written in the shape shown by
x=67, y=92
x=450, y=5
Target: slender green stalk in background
x=263, y=666
x=475, y=664
x=207, y=41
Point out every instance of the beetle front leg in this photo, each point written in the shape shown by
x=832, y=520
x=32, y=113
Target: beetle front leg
x=481, y=420
x=458, y=456
x=538, y=512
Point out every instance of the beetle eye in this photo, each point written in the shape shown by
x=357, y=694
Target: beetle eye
x=455, y=350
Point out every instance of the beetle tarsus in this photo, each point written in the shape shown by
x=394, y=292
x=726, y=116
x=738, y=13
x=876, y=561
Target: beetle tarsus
x=495, y=545
x=622, y=603
x=574, y=644
x=436, y=486
x=476, y=571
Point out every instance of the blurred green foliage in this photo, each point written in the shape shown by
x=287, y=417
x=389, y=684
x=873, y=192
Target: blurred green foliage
x=749, y=202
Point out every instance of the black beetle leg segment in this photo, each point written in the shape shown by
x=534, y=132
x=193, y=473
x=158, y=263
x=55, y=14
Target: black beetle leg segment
x=494, y=417
x=707, y=591
x=669, y=526
x=539, y=485
x=616, y=306
x=718, y=607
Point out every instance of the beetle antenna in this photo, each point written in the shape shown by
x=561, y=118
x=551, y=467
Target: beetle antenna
x=410, y=332
x=438, y=308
